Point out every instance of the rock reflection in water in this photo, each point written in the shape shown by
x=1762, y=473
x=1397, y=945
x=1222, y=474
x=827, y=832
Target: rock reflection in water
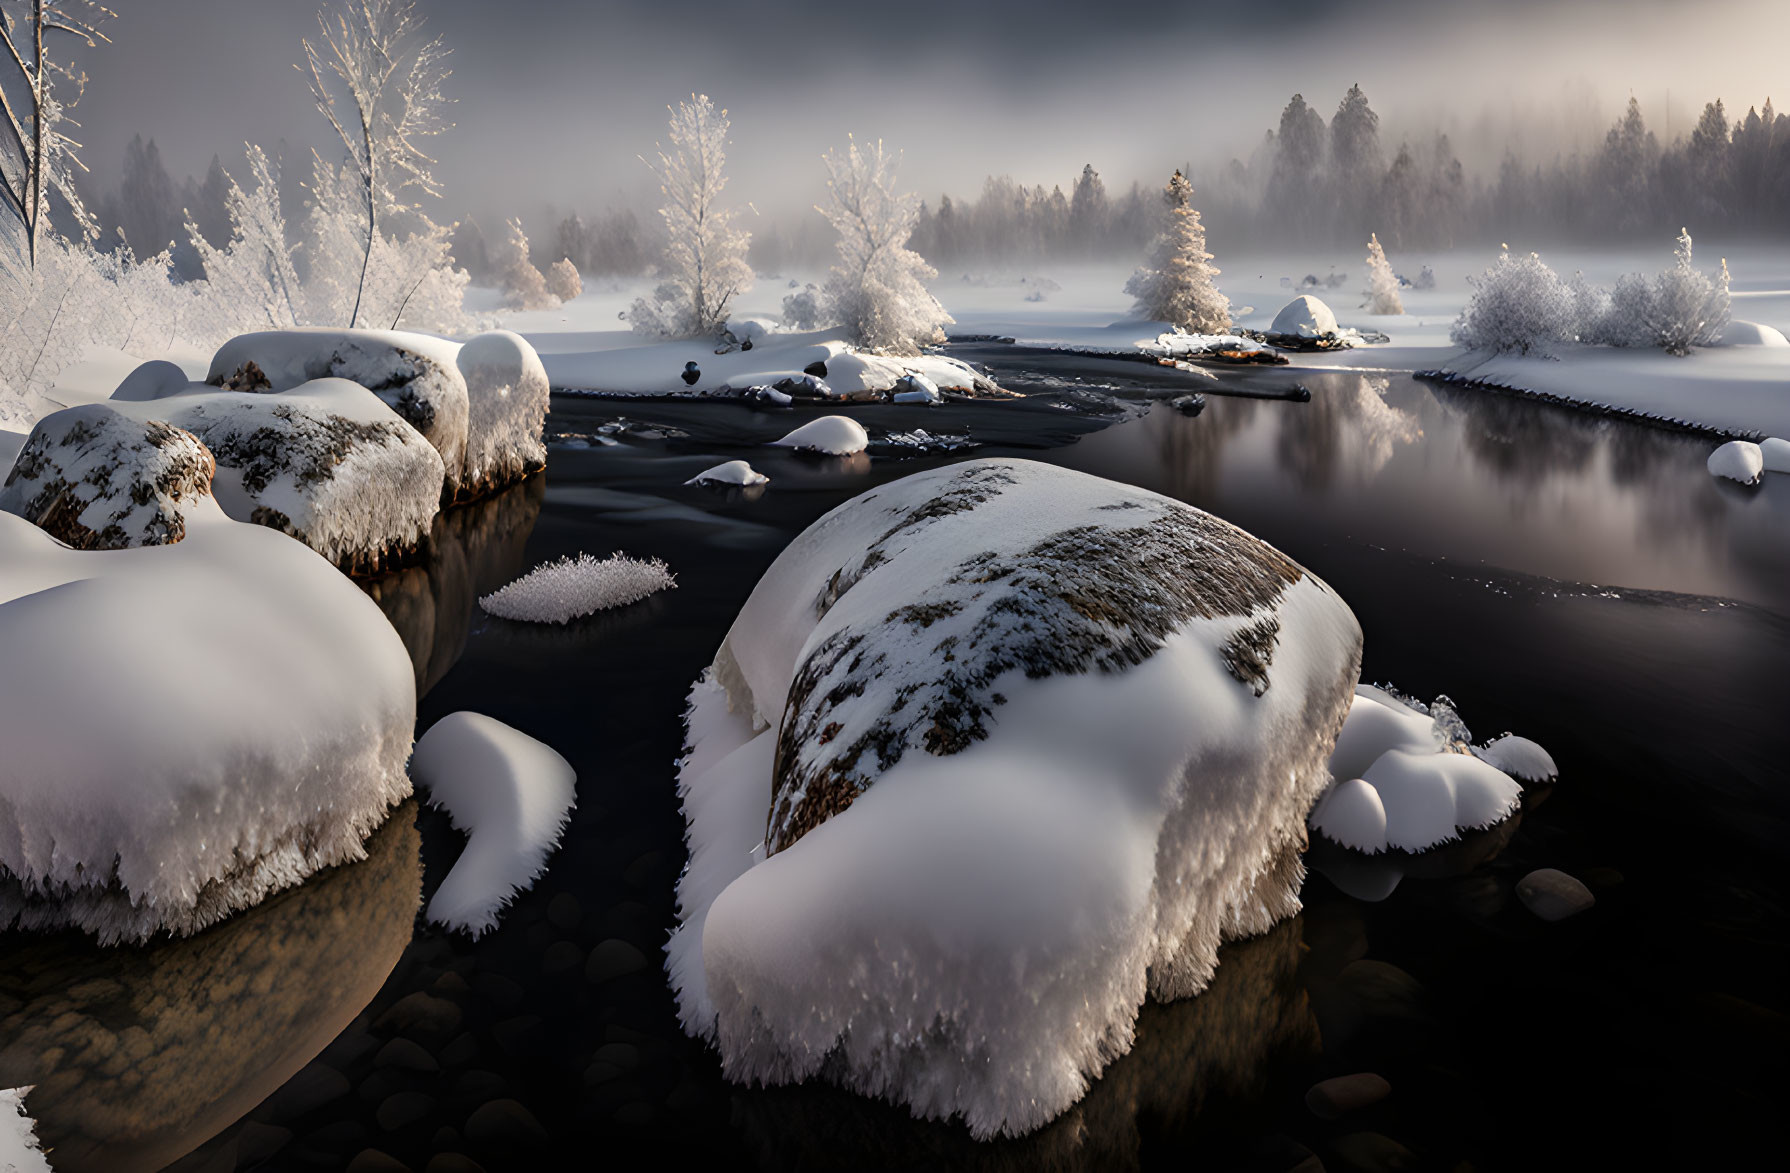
x=142, y=1054
x=1193, y=1059
x=473, y=550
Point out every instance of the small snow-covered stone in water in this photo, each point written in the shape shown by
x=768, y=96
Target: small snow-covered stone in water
x=1520, y=758
x=733, y=472
x=1553, y=895
x=564, y=590
x=1774, y=454
x=507, y=400
x=1335, y=1098
x=97, y=479
x=1738, y=460
x=19, y=1150
x=991, y=754
x=512, y=796
x=830, y=435
x=1304, y=317
x=914, y=387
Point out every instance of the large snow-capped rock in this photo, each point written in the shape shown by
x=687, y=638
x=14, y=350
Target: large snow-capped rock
x=97, y=479
x=990, y=754
x=1304, y=317
x=481, y=404
x=187, y=728
x=327, y=462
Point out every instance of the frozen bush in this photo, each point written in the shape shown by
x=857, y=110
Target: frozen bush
x=572, y=587
x=563, y=281
x=1382, y=284
x=1518, y=304
x=801, y=310
x=523, y=286
x=1676, y=311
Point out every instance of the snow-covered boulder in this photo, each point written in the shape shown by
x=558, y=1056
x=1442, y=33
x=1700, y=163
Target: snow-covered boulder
x=1304, y=317
x=326, y=462
x=1407, y=776
x=97, y=479
x=731, y=472
x=188, y=728
x=992, y=753
x=1774, y=454
x=1738, y=460
x=916, y=388
x=507, y=396
x=830, y=435
x=415, y=374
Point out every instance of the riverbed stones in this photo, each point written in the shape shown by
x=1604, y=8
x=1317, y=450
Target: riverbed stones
x=1334, y=1098
x=1553, y=895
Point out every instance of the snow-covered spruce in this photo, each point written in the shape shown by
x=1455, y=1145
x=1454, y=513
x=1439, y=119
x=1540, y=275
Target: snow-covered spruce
x=830, y=435
x=991, y=754
x=1407, y=776
x=97, y=479
x=19, y=1150
x=1176, y=286
x=189, y=727
x=732, y=472
x=1738, y=460
x=1382, y=284
x=572, y=587
x=327, y=462
x=512, y=796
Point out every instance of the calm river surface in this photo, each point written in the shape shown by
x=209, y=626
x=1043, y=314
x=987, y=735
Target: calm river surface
x=1581, y=581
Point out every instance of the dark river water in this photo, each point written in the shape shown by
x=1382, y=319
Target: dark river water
x=1581, y=581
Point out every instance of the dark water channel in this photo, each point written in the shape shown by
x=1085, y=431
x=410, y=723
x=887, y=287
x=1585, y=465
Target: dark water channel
x=1581, y=581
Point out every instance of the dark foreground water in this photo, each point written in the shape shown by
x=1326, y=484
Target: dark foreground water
x=1583, y=582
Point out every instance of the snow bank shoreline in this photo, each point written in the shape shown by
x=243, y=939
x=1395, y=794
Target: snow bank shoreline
x=1589, y=406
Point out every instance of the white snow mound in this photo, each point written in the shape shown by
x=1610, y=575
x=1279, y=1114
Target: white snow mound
x=830, y=435
x=512, y=796
x=1305, y=317
x=507, y=404
x=1519, y=757
x=732, y=472
x=1740, y=333
x=1774, y=454
x=188, y=728
x=952, y=879
x=571, y=587
x=1738, y=460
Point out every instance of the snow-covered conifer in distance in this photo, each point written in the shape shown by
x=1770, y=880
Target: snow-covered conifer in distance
x=1176, y=286
x=878, y=288
x=704, y=266
x=523, y=285
x=563, y=280
x=1382, y=283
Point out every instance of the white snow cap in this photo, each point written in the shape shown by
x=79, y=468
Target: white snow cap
x=1774, y=454
x=1406, y=778
x=1738, y=460
x=914, y=387
x=19, y=1150
x=961, y=876
x=1741, y=333
x=1306, y=317
x=152, y=380
x=830, y=435
x=188, y=728
x=732, y=472
x=511, y=794
x=564, y=590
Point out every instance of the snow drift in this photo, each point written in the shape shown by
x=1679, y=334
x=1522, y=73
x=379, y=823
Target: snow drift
x=992, y=753
x=188, y=727
x=510, y=793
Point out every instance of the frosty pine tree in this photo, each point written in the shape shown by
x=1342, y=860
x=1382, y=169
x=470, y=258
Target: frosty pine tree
x=1176, y=286
x=1382, y=283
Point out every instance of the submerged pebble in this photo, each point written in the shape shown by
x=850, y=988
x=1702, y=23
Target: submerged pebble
x=1553, y=895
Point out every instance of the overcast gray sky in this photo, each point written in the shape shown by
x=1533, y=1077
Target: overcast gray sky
x=556, y=98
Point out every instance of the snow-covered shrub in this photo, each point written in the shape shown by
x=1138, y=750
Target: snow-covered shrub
x=952, y=882
x=1176, y=286
x=1518, y=304
x=1382, y=283
x=512, y=796
x=877, y=291
x=1426, y=279
x=704, y=267
x=251, y=282
x=563, y=281
x=523, y=286
x=802, y=309
x=572, y=587
x=1678, y=310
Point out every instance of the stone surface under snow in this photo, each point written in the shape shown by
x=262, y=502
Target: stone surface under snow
x=326, y=462
x=188, y=727
x=992, y=753
x=572, y=587
x=830, y=435
x=512, y=796
x=1738, y=460
x=732, y=472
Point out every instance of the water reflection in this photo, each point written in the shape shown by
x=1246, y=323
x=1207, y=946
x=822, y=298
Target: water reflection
x=1193, y=1060
x=1347, y=430
x=142, y=1054
x=473, y=550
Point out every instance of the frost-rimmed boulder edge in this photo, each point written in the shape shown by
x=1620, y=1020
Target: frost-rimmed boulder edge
x=990, y=754
x=189, y=728
x=326, y=462
x=481, y=404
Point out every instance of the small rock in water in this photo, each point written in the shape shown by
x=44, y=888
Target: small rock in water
x=505, y=1126
x=453, y=1163
x=1188, y=404
x=1332, y=1099
x=613, y=959
x=1553, y=895
x=374, y=1161
x=420, y=1013
x=405, y=1056
x=401, y=1109
x=1372, y=1153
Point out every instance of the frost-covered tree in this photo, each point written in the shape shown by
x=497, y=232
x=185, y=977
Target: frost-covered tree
x=877, y=290
x=563, y=281
x=1176, y=286
x=1382, y=283
x=1518, y=304
x=37, y=159
x=704, y=267
x=251, y=282
x=523, y=285
x=1678, y=310
x=378, y=82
